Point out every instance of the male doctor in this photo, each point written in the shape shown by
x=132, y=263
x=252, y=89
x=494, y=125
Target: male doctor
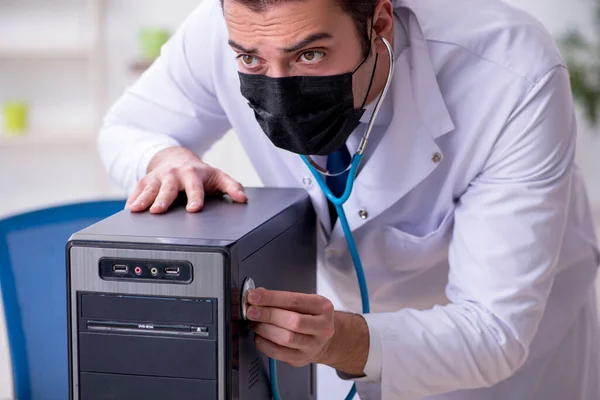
x=469, y=213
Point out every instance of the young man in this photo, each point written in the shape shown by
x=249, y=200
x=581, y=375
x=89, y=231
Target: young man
x=469, y=214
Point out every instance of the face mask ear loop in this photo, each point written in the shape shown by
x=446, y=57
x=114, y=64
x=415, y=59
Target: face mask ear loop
x=365, y=60
x=370, y=45
x=370, y=83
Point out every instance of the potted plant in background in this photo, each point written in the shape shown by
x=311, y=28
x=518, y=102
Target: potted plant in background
x=15, y=114
x=151, y=40
x=582, y=55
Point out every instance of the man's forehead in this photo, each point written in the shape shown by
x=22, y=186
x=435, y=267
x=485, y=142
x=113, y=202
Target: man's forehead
x=262, y=5
x=286, y=26
x=271, y=10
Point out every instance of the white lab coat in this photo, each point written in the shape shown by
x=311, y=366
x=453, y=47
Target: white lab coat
x=478, y=245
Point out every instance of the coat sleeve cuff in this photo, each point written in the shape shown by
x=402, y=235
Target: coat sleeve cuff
x=372, y=370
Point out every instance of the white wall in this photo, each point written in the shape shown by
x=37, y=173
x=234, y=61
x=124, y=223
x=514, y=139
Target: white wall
x=58, y=90
x=125, y=18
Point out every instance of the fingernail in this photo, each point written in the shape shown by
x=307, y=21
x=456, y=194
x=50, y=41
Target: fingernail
x=253, y=313
x=160, y=204
x=195, y=204
x=253, y=297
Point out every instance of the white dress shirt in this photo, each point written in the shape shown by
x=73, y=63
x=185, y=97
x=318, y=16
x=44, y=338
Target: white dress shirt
x=470, y=216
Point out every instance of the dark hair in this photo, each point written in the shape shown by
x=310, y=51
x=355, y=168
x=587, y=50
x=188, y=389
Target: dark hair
x=361, y=12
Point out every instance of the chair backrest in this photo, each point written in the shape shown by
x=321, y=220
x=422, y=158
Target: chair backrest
x=33, y=287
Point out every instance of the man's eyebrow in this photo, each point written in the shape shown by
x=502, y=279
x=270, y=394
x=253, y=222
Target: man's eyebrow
x=292, y=49
x=312, y=38
x=242, y=48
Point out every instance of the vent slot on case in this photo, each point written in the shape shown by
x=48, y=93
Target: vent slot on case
x=253, y=373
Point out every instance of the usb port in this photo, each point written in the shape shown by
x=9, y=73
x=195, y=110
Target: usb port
x=172, y=271
x=120, y=269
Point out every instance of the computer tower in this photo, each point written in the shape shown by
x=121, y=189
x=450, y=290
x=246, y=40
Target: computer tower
x=154, y=301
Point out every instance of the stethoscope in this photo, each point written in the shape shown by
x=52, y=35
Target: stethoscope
x=339, y=202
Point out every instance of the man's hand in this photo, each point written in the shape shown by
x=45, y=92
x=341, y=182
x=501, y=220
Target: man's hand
x=300, y=329
x=178, y=169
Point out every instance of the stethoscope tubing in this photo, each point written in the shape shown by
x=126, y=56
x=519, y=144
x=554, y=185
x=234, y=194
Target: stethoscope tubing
x=338, y=203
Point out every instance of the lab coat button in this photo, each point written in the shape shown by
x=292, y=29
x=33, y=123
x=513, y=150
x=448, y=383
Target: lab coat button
x=436, y=158
x=363, y=214
x=306, y=181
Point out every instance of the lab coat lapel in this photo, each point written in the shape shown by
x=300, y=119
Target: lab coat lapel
x=303, y=174
x=407, y=152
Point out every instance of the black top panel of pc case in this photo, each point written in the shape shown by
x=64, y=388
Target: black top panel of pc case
x=220, y=224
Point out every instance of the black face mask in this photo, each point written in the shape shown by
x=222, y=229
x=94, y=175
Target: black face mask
x=308, y=115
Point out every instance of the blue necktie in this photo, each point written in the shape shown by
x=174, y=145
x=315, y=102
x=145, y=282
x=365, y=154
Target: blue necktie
x=337, y=161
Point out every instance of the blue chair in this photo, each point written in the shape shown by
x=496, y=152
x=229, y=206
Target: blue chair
x=33, y=286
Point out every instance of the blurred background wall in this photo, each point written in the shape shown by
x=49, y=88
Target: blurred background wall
x=66, y=61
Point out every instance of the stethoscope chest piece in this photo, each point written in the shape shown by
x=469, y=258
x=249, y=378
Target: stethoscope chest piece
x=246, y=287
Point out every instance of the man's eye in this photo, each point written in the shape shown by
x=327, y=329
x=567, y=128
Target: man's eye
x=249, y=61
x=311, y=56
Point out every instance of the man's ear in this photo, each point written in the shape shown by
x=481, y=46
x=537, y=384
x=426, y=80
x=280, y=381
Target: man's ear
x=383, y=25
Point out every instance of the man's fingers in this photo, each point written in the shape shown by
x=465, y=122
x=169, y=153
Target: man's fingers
x=299, y=302
x=194, y=189
x=272, y=350
x=285, y=338
x=230, y=186
x=147, y=196
x=139, y=188
x=289, y=320
x=158, y=192
x=169, y=189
